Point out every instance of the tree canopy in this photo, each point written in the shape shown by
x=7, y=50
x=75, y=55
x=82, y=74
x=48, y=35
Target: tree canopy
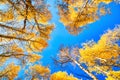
x=24, y=30
x=26, y=27
x=99, y=56
x=75, y=14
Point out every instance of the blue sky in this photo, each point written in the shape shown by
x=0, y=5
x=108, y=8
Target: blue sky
x=60, y=36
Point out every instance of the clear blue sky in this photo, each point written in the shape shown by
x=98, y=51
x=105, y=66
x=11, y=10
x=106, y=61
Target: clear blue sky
x=60, y=36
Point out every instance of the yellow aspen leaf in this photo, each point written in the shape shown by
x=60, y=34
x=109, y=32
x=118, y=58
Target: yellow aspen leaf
x=44, y=17
x=36, y=79
x=12, y=71
x=102, y=11
x=46, y=31
x=16, y=48
x=37, y=45
x=41, y=70
x=34, y=57
x=113, y=75
x=7, y=16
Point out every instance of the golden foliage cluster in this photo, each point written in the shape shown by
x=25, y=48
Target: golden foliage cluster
x=99, y=56
x=34, y=57
x=41, y=70
x=105, y=51
x=24, y=30
x=11, y=71
x=62, y=76
x=113, y=75
x=29, y=24
x=7, y=16
x=77, y=13
x=38, y=45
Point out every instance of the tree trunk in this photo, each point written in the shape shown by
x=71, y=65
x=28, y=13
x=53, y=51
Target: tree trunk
x=86, y=71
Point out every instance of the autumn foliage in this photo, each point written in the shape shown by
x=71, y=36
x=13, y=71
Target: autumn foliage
x=11, y=71
x=25, y=28
x=75, y=14
x=99, y=56
x=25, y=23
x=62, y=76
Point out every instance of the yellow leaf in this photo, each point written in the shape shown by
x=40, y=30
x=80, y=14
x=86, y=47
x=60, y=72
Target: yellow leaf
x=62, y=76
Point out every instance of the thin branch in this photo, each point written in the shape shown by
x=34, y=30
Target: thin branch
x=9, y=27
x=25, y=20
x=18, y=38
x=7, y=54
